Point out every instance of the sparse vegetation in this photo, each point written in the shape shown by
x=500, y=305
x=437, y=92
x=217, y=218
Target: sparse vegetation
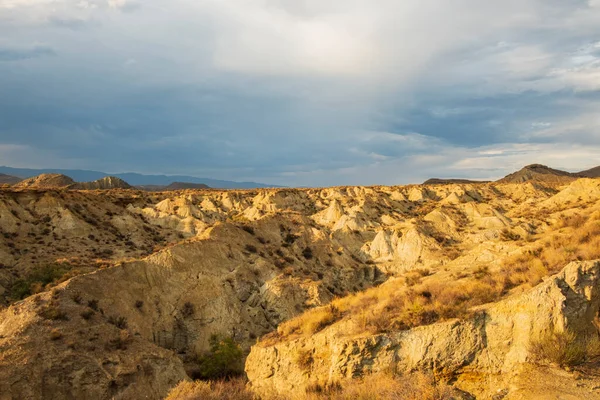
x=188, y=310
x=565, y=349
x=234, y=389
x=223, y=360
x=87, y=314
x=39, y=279
x=119, y=322
x=52, y=311
x=371, y=387
x=304, y=359
x=93, y=304
x=307, y=253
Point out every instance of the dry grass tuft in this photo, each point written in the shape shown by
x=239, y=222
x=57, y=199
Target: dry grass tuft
x=371, y=387
x=565, y=349
x=220, y=390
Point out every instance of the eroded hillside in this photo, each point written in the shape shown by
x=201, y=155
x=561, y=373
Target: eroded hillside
x=149, y=277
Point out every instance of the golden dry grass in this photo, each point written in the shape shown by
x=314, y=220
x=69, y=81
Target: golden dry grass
x=565, y=348
x=370, y=387
x=221, y=390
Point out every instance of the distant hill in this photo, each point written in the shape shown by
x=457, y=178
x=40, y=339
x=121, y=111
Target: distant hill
x=108, y=182
x=134, y=179
x=46, y=181
x=539, y=173
x=9, y=179
x=172, y=186
x=439, y=181
x=186, y=185
x=591, y=173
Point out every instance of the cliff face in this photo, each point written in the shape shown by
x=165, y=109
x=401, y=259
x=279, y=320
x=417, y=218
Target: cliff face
x=108, y=182
x=494, y=342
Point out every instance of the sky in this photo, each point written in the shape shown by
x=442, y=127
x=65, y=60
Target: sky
x=301, y=92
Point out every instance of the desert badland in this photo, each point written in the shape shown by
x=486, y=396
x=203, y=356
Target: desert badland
x=451, y=289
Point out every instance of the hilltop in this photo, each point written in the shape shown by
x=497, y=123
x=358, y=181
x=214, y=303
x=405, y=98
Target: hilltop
x=440, y=181
x=46, y=181
x=9, y=179
x=590, y=173
x=539, y=173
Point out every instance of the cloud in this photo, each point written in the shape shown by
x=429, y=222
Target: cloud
x=19, y=54
x=301, y=92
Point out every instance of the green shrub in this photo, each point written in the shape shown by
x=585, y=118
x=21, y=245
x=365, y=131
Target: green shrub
x=224, y=360
x=37, y=279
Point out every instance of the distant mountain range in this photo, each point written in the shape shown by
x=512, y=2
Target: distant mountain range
x=131, y=178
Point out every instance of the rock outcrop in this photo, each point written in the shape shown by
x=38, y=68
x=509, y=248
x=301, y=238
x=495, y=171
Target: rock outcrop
x=108, y=182
x=493, y=342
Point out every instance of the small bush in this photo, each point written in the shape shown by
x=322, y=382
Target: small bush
x=121, y=341
x=93, y=304
x=224, y=360
x=188, y=310
x=36, y=280
x=119, y=322
x=87, y=314
x=248, y=229
x=52, y=311
x=304, y=360
x=290, y=238
x=307, y=253
x=139, y=304
x=251, y=248
x=565, y=349
x=77, y=297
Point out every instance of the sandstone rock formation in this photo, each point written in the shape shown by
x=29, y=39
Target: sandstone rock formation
x=492, y=343
x=108, y=182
